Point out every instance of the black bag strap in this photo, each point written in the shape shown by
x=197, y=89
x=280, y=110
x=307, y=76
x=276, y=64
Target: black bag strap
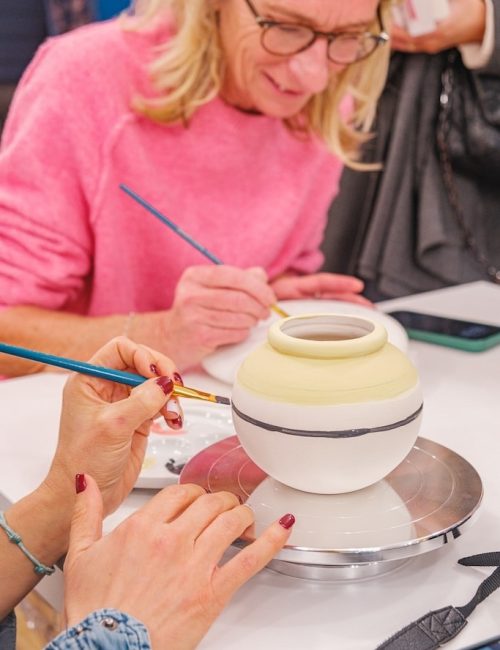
x=440, y=626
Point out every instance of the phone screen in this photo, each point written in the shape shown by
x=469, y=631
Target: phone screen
x=448, y=326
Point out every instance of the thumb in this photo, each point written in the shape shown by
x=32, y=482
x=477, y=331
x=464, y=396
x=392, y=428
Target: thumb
x=144, y=403
x=86, y=524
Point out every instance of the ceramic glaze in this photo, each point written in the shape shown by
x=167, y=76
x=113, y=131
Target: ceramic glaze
x=327, y=405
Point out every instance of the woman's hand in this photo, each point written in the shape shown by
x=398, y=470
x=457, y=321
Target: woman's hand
x=161, y=565
x=331, y=286
x=103, y=430
x=465, y=24
x=214, y=306
x=104, y=425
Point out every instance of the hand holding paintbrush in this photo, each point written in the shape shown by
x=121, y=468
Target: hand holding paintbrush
x=184, y=235
x=110, y=374
x=213, y=305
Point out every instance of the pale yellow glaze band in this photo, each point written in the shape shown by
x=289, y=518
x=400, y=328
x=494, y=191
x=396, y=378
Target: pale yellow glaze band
x=293, y=375
x=369, y=336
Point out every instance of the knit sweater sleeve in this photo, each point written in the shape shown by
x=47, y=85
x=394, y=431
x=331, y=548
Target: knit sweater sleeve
x=48, y=173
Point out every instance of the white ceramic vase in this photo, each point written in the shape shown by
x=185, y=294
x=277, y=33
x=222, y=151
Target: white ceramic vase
x=327, y=405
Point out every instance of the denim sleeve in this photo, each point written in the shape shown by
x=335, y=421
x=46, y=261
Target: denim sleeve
x=105, y=629
x=8, y=632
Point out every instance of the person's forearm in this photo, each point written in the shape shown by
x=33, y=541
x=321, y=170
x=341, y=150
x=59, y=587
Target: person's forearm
x=78, y=337
x=42, y=519
x=55, y=332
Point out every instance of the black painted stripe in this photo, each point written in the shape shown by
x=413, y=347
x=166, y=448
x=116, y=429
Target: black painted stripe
x=347, y=433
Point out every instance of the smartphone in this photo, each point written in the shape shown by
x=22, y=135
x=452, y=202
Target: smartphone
x=488, y=644
x=464, y=335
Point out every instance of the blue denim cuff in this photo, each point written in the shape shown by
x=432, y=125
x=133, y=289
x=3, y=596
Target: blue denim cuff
x=8, y=632
x=104, y=629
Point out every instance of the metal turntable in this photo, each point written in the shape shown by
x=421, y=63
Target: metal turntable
x=426, y=502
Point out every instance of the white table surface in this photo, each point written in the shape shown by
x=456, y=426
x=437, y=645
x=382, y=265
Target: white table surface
x=462, y=411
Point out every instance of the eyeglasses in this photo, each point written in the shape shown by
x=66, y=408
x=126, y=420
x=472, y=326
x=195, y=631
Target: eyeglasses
x=285, y=39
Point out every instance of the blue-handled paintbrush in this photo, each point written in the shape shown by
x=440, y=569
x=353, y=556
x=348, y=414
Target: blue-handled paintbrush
x=111, y=374
x=173, y=226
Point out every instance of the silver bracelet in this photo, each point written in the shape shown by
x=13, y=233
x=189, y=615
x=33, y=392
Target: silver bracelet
x=14, y=538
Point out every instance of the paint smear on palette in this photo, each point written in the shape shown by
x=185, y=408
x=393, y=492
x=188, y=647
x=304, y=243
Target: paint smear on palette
x=168, y=449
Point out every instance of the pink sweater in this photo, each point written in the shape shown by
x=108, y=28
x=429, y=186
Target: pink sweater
x=70, y=239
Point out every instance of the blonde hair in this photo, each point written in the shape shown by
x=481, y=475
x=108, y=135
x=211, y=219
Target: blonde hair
x=189, y=69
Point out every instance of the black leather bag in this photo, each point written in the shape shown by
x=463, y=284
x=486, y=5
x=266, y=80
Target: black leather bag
x=468, y=142
x=471, y=106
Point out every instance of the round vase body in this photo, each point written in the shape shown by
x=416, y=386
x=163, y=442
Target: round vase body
x=327, y=405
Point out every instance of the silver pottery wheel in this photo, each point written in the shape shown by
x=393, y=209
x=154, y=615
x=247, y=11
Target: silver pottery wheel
x=424, y=503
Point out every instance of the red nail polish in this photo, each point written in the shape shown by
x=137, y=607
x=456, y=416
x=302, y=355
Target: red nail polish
x=176, y=423
x=178, y=379
x=287, y=521
x=80, y=483
x=166, y=384
x=154, y=369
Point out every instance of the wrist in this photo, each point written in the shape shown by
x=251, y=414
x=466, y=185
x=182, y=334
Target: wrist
x=161, y=331
x=170, y=340
x=43, y=520
x=144, y=328
x=128, y=324
x=158, y=330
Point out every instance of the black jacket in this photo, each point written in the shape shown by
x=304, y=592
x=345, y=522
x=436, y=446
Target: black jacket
x=395, y=228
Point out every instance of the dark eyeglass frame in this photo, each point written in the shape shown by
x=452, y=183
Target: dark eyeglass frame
x=266, y=23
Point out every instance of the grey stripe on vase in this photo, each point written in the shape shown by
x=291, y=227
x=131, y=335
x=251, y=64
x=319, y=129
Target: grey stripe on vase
x=342, y=433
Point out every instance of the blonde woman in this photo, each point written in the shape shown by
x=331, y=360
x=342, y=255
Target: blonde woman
x=226, y=115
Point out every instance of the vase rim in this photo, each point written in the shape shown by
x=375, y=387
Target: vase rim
x=327, y=335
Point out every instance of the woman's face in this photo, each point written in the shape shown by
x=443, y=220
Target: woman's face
x=280, y=86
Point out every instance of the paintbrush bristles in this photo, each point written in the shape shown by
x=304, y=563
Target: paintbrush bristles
x=279, y=311
x=193, y=393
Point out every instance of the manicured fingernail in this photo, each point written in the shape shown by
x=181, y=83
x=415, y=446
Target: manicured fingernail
x=166, y=384
x=80, y=483
x=154, y=369
x=173, y=413
x=176, y=423
x=178, y=379
x=173, y=409
x=287, y=521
